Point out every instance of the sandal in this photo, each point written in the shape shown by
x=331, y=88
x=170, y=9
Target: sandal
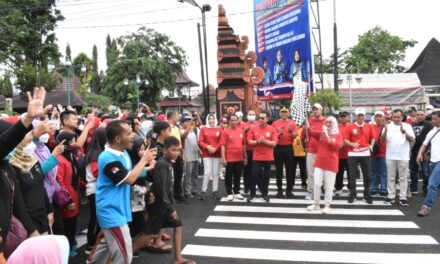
x=165, y=237
x=165, y=248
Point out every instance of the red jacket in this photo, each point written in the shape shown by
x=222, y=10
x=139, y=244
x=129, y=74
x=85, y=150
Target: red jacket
x=64, y=178
x=383, y=143
x=210, y=136
x=327, y=157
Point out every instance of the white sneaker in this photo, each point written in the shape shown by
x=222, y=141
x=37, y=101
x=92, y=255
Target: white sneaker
x=326, y=209
x=313, y=207
x=238, y=197
x=230, y=197
x=309, y=196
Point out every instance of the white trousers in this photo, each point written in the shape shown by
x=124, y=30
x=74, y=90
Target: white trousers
x=400, y=167
x=211, y=168
x=310, y=162
x=328, y=178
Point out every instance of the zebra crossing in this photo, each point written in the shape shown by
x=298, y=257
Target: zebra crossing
x=284, y=230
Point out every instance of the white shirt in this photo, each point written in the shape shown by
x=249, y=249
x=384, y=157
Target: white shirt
x=435, y=144
x=397, y=145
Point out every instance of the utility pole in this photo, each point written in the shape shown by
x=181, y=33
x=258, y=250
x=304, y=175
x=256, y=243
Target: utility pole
x=335, y=47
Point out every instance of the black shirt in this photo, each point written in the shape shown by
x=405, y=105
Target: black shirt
x=421, y=129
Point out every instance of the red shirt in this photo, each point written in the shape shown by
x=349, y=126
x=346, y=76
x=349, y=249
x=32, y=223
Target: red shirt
x=285, y=139
x=210, y=136
x=233, y=140
x=263, y=152
x=362, y=135
x=343, y=152
x=64, y=178
x=327, y=157
x=248, y=126
x=314, y=131
x=383, y=143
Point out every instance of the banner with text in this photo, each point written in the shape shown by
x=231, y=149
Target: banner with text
x=283, y=46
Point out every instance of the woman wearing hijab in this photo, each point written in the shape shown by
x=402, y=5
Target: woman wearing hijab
x=68, y=178
x=94, y=148
x=209, y=142
x=30, y=179
x=326, y=163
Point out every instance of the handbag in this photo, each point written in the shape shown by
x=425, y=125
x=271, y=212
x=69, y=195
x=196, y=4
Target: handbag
x=376, y=145
x=17, y=234
x=60, y=197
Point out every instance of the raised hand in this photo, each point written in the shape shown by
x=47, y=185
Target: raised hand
x=42, y=128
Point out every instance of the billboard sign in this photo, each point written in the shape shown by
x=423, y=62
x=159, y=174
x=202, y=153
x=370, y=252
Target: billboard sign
x=283, y=47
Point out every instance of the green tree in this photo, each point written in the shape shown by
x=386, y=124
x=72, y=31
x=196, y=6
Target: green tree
x=150, y=54
x=95, y=84
x=68, y=53
x=328, y=63
x=108, y=46
x=113, y=54
x=78, y=62
x=329, y=99
x=28, y=38
x=95, y=58
x=6, y=86
x=378, y=51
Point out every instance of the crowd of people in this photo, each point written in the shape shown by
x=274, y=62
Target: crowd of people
x=131, y=167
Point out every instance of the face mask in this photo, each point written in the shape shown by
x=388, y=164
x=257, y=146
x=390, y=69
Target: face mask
x=251, y=118
x=429, y=112
x=44, y=138
x=10, y=155
x=29, y=149
x=81, y=127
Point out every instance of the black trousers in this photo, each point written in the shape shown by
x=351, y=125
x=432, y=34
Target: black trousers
x=283, y=157
x=260, y=177
x=93, y=226
x=137, y=224
x=365, y=163
x=343, y=166
x=233, y=174
x=70, y=229
x=247, y=172
x=178, y=177
x=58, y=225
x=301, y=162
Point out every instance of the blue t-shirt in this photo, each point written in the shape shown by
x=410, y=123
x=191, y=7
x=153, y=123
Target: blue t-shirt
x=112, y=194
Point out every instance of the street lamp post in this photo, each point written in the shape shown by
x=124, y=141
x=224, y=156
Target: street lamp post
x=68, y=64
x=335, y=49
x=137, y=83
x=203, y=9
x=349, y=78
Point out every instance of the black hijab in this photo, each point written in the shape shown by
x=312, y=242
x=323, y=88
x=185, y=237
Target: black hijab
x=67, y=153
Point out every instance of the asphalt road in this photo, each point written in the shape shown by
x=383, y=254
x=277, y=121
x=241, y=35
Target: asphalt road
x=284, y=231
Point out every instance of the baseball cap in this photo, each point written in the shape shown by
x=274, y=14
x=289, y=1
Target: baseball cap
x=429, y=107
x=379, y=113
x=184, y=118
x=161, y=117
x=359, y=111
x=343, y=113
x=317, y=105
x=284, y=109
x=239, y=114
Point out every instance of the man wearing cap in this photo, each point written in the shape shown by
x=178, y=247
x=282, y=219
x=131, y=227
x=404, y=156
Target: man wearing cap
x=283, y=152
x=398, y=136
x=343, y=154
x=378, y=164
x=311, y=136
x=429, y=109
x=240, y=123
x=421, y=129
x=190, y=151
x=359, y=138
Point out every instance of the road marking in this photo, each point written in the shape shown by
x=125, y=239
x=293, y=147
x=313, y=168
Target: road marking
x=312, y=222
x=309, y=256
x=290, y=210
x=302, y=201
x=317, y=237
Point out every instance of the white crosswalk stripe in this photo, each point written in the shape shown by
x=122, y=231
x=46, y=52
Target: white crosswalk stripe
x=253, y=230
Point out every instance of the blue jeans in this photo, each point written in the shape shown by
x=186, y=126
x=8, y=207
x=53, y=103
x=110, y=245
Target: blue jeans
x=427, y=169
x=378, y=175
x=434, y=183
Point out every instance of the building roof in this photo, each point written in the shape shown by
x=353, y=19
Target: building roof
x=379, y=89
x=427, y=65
x=58, y=95
x=174, y=103
x=183, y=80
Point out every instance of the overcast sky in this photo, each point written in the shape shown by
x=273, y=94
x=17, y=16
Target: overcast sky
x=89, y=21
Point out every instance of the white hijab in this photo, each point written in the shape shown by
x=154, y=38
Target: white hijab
x=334, y=129
x=215, y=121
